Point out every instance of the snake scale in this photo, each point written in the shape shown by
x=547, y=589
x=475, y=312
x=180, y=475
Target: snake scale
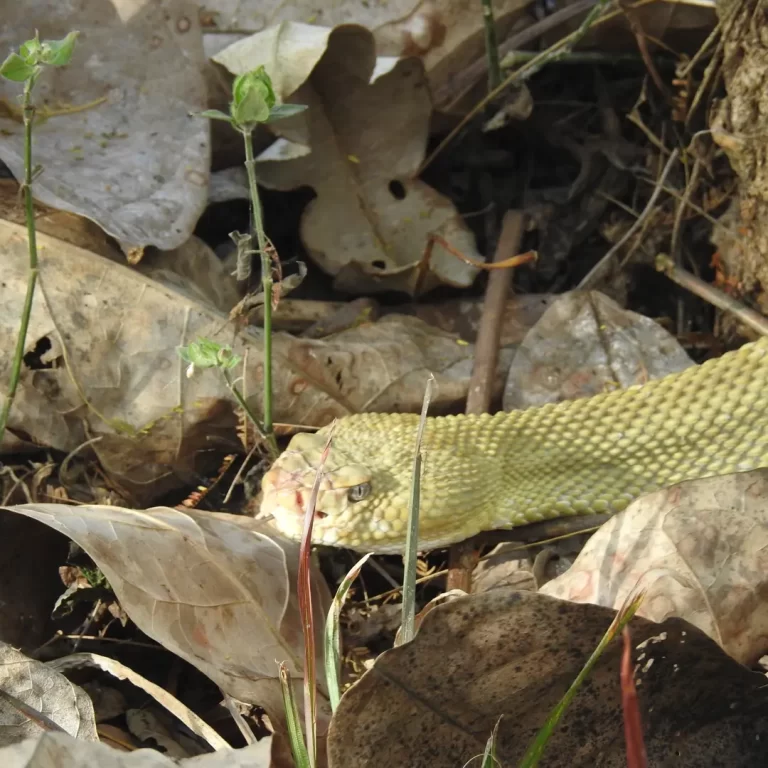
x=592, y=455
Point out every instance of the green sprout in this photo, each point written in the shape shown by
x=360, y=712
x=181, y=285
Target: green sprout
x=254, y=103
x=25, y=67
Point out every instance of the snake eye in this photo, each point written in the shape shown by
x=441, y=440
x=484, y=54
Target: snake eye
x=358, y=492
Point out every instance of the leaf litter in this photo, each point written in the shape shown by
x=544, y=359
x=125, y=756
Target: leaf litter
x=129, y=272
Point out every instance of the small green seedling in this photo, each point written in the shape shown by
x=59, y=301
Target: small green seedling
x=205, y=353
x=253, y=103
x=25, y=66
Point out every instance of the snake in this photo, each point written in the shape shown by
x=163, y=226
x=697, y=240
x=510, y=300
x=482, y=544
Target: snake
x=479, y=473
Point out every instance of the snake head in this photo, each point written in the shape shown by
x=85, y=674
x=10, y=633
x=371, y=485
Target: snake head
x=365, y=486
x=287, y=487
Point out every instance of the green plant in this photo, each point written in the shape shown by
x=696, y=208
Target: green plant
x=408, y=613
x=26, y=66
x=332, y=640
x=205, y=353
x=254, y=103
x=621, y=619
x=293, y=721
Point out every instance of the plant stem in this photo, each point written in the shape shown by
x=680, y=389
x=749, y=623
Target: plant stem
x=266, y=285
x=563, y=45
x=241, y=401
x=28, y=113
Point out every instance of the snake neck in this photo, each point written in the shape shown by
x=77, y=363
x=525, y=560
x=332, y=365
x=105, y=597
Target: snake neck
x=592, y=455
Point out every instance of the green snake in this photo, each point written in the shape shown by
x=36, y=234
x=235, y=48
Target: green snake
x=592, y=455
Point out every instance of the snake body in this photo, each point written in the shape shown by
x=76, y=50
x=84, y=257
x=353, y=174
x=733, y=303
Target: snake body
x=480, y=473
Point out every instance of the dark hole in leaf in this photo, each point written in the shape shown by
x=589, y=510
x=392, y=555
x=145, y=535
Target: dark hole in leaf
x=33, y=358
x=397, y=189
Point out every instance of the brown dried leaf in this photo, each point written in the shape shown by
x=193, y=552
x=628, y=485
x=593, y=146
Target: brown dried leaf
x=45, y=690
x=111, y=699
x=110, y=336
x=59, y=750
x=367, y=128
x=448, y=35
x=457, y=316
x=216, y=589
x=585, y=344
x=699, y=550
x=434, y=702
x=119, y=147
x=194, y=270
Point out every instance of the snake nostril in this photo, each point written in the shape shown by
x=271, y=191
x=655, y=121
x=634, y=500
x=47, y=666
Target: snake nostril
x=320, y=515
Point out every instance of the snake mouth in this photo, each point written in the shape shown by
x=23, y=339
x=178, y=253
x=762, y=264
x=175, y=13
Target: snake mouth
x=301, y=506
x=285, y=496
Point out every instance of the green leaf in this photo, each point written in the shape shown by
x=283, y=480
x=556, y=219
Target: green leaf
x=31, y=49
x=16, y=69
x=205, y=353
x=252, y=98
x=281, y=111
x=332, y=638
x=226, y=358
x=213, y=114
x=292, y=719
x=536, y=748
x=202, y=353
x=57, y=53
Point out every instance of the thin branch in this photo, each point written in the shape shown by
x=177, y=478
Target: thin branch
x=561, y=47
x=679, y=213
x=713, y=295
x=598, y=271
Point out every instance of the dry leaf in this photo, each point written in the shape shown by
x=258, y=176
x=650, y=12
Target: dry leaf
x=434, y=702
x=699, y=548
x=110, y=336
x=289, y=51
x=93, y=660
x=216, y=589
x=59, y=750
x=120, y=147
x=458, y=316
x=42, y=688
x=195, y=271
x=585, y=344
x=147, y=729
x=367, y=128
x=447, y=35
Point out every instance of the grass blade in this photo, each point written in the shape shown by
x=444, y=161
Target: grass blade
x=305, y=607
x=295, y=736
x=332, y=645
x=633, y=726
x=412, y=539
x=538, y=745
x=489, y=755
